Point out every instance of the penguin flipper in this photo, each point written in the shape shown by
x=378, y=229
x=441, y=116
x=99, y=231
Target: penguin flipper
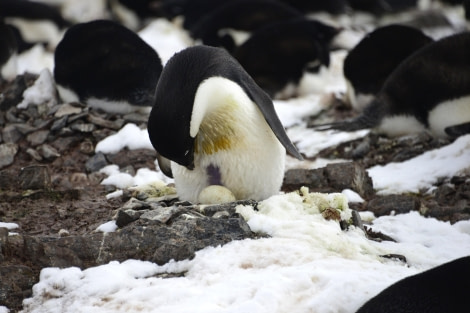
x=458, y=130
x=165, y=165
x=266, y=106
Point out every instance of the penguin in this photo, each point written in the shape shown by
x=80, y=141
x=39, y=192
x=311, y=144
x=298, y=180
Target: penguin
x=106, y=66
x=211, y=124
x=8, y=52
x=380, y=7
x=334, y=7
x=428, y=91
x=216, y=27
x=280, y=53
x=441, y=289
x=34, y=23
x=370, y=62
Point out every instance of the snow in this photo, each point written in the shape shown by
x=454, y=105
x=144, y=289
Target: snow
x=9, y=226
x=307, y=264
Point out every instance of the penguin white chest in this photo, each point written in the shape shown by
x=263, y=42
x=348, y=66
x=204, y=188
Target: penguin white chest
x=234, y=145
x=449, y=113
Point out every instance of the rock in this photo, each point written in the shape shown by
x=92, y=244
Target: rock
x=59, y=123
x=11, y=134
x=101, y=122
x=16, y=284
x=48, y=152
x=332, y=178
x=397, y=204
x=83, y=127
x=96, y=162
x=7, y=154
x=87, y=147
x=35, y=177
x=38, y=137
x=67, y=109
x=34, y=154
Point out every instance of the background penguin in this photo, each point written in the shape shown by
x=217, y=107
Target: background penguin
x=239, y=15
x=370, y=62
x=106, y=66
x=8, y=52
x=217, y=127
x=440, y=289
x=430, y=90
x=280, y=53
x=33, y=23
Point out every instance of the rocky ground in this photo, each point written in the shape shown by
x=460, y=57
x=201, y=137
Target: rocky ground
x=50, y=186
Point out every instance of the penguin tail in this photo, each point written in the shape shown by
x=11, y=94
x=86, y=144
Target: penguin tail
x=458, y=130
x=359, y=123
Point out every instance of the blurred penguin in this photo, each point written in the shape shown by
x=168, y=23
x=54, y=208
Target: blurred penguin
x=107, y=66
x=441, y=289
x=280, y=53
x=33, y=23
x=429, y=91
x=372, y=60
x=223, y=26
x=212, y=125
x=8, y=52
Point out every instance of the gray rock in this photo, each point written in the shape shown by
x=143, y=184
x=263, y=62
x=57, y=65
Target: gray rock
x=34, y=154
x=7, y=154
x=38, y=137
x=385, y=205
x=48, y=152
x=35, y=177
x=67, y=109
x=11, y=134
x=83, y=127
x=96, y=162
x=16, y=284
x=59, y=123
x=25, y=129
x=332, y=178
x=101, y=122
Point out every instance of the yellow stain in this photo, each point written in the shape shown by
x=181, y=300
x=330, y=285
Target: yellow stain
x=216, y=131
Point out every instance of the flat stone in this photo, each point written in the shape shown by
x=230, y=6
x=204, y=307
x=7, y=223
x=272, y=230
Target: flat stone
x=67, y=109
x=96, y=162
x=83, y=127
x=59, y=123
x=35, y=177
x=38, y=137
x=48, y=152
x=397, y=204
x=34, y=154
x=7, y=154
x=115, y=125
x=11, y=134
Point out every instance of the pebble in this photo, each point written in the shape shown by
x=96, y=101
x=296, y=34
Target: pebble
x=48, y=152
x=83, y=127
x=67, y=109
x=34, y=154
x=96, y=162
x=98, y=121
x=38, y=137
x=59, y=123
x=7, y=154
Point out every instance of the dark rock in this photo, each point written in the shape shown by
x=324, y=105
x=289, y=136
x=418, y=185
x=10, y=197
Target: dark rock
x=13, y=93
x=63, y=144
x=7, y=154
x=397, y=204
x=59, y=123
x=24, y=129
x=8, y=179
x=138, y=158
x=96, y=162
x=332, y=178
x=87, y=147
x=34, y=154
x=16, y=284
x=35, y=177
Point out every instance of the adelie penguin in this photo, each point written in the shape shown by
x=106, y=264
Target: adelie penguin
x=106, y=66
x=373, y=59
x=428, y=91
x=440, y=289
x=211, y=124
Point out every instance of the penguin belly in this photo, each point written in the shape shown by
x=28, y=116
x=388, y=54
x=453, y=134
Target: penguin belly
x=449, y=113
x=234, y=148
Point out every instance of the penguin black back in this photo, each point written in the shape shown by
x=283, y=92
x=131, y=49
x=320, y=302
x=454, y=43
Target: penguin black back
x=279, y=53
x=104, y=60
x=440, y=289
x=435, y=74
x=179, y=82
x=374, y=58
x=245, y=15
